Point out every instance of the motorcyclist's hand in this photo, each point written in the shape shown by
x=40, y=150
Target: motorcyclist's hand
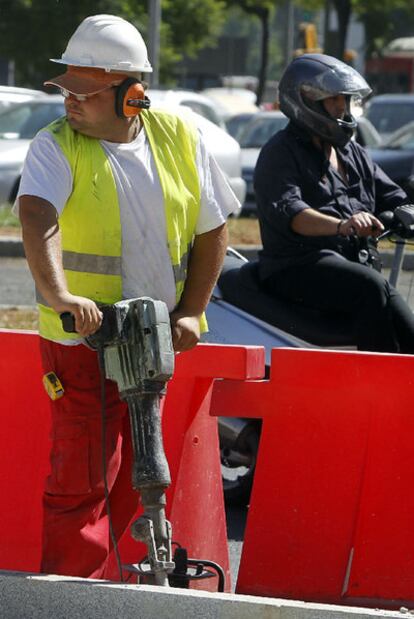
x=361, y=224
x=88, y=317
x=185, y=331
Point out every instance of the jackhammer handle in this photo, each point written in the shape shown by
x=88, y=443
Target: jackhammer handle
x=68, y=322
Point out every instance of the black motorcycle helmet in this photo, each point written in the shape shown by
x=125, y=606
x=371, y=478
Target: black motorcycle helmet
x=307, y=81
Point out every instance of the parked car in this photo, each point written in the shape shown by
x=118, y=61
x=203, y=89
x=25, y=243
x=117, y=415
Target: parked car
x=235, y=124
x=366, y=134
x=230, y=101
x=20, y=124
x=396, y=157
x=198, y=103
x=10, y=95
x=257, y=131
x=225, y=149
x=390, y=112
x=403, y=138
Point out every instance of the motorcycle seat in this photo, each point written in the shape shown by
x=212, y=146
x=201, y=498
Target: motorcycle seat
x=240, y=285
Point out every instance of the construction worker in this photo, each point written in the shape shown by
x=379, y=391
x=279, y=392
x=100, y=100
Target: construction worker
x=116, y=201
x=319, y=196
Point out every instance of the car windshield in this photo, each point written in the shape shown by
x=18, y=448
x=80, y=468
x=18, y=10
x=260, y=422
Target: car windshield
x=259, y=131
x=235, y=124
x=366, y=134
x=23, y=121
x=388, y=117
x=203, y=110
x=405, y=140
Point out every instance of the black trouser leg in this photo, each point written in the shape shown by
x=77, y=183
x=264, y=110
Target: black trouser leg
x=382, y=320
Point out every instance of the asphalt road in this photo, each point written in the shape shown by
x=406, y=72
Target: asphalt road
x=16, y=285
x=236, y=522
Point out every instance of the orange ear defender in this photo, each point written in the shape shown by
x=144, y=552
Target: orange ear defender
x=130, y=98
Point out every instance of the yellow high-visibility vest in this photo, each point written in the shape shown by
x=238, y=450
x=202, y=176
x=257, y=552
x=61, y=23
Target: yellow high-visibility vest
x=90, y=223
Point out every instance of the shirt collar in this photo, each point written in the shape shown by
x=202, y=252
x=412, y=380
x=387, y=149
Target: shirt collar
x=305, y=136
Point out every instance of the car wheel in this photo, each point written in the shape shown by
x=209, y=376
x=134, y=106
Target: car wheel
x=14, y=191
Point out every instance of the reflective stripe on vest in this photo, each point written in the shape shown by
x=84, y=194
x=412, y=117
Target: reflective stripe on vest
x=90, y=223
x=105, y=265
x=180, y=270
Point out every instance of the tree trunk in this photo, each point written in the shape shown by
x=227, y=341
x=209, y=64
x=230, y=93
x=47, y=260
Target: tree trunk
x=326, y=27
x=264, y=55
x=343, y=11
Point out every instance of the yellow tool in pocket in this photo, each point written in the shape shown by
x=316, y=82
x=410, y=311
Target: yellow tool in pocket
x=53, y=386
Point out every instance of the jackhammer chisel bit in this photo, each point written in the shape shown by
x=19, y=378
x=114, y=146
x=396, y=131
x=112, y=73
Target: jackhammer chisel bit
x=141, y=361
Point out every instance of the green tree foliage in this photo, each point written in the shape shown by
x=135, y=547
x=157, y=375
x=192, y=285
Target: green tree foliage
x=32, y=31
x=263, y=10
x=384, y=21
x=188, y=26
x=241, y=24
x=378, y=19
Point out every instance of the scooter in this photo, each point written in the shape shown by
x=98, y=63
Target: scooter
x=241, y=312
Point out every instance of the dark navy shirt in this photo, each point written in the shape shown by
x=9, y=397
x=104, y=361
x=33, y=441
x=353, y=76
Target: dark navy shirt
x=292, y=174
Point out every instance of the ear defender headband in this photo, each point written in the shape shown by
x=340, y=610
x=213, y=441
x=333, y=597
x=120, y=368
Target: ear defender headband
x=130, y=98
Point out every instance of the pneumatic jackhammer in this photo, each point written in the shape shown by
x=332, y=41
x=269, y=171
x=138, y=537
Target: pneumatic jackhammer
x=134, y=345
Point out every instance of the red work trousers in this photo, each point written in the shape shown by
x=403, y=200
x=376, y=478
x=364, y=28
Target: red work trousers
x=76, y=539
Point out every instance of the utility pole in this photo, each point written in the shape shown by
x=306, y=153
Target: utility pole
x=154, y=40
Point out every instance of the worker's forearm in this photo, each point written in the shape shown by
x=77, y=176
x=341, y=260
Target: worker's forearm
x=206, y=259
x=313, y=223
x=41, y=238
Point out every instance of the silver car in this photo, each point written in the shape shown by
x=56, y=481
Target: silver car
x=257, y=131
x=224, y=147
x=390, y=112
x=18, y=126
x=10, y=95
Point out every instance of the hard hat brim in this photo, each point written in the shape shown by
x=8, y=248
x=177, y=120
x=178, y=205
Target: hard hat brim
x=85, y=81
x=126, y=67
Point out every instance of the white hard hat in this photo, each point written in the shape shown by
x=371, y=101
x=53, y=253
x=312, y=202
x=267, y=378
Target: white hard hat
x=106, y=42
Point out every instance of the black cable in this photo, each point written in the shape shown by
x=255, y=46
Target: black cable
x=101, y=358
x=220, y=572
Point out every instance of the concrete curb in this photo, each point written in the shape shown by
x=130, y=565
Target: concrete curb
x=41, y=597
x=12, y=247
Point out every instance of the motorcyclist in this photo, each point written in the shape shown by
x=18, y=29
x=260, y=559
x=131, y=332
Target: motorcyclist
x=319, y=196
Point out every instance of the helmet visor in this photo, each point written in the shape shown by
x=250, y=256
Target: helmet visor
x=336, y=80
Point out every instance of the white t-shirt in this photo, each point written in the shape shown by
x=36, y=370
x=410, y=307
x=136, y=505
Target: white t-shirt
x=146, y=264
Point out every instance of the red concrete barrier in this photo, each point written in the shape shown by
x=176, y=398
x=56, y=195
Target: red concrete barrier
x=194, y=501
x=24, y=447
x=331, y=513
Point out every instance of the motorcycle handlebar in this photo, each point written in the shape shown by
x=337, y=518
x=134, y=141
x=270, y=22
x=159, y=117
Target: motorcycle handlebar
x=399, y=222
